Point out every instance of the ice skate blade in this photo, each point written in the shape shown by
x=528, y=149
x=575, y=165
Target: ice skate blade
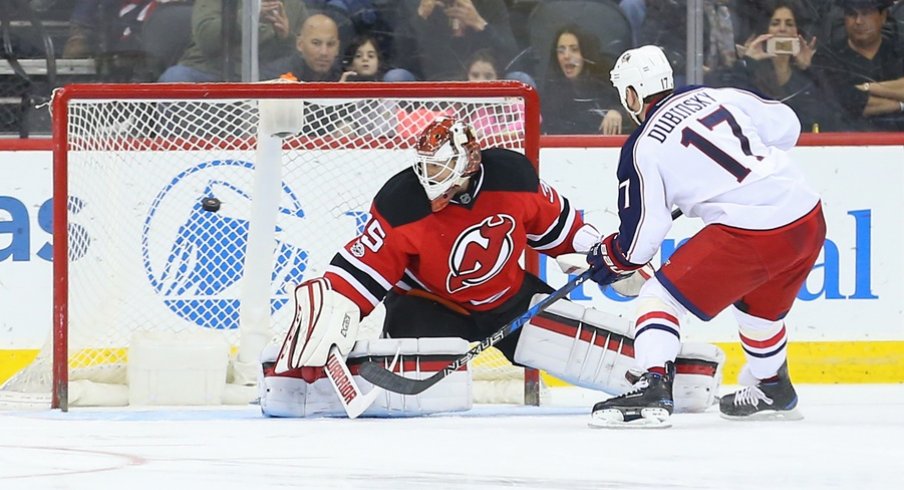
x=650, y=418
x=767, y=415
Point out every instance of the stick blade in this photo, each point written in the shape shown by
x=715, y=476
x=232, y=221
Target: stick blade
x=379, y=376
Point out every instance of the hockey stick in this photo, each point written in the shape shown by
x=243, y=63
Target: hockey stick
x=390, y=381
x=384, y=378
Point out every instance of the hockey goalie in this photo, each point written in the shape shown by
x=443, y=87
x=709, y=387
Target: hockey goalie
x=441, y=253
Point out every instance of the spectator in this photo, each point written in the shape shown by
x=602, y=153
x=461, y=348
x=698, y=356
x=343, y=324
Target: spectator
x=577, y=97
x=363, y=61
x=636, y=12
x=203, y=59
x=891, y=89
x=435, y=38
x=316, y=56
x=864, y=57
x=369, y=117
x=786, y=77
x=492, y=123
x=720, y=48
x=84, y=25
x=482, y=67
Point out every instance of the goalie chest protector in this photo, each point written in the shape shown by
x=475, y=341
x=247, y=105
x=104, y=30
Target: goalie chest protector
x=467, y=252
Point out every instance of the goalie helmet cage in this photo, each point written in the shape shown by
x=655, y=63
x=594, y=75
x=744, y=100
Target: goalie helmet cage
x=139, y=244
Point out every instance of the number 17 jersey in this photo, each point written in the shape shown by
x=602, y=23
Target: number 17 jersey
x=717, y=154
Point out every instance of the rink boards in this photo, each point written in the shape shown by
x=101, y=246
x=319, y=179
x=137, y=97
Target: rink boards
x=847, y=326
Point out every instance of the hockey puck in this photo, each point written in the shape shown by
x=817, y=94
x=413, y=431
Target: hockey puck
x=211, y=204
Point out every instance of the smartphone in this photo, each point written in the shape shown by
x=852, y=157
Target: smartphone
x=783, y=45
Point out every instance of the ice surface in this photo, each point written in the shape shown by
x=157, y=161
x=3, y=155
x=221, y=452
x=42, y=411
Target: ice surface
x=851, y=438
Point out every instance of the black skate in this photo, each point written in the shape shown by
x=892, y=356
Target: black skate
x=647, y=406
x=772, y=400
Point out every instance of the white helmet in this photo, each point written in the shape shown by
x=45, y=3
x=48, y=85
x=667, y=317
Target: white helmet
x=647, y=70
x=447, y=153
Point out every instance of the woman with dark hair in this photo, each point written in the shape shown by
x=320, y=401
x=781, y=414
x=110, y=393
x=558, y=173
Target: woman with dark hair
x=363, y=61
x=777, y=64
x=577, y=97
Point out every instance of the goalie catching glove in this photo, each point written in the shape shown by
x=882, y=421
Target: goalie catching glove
x=321, y=336
x=323, y=318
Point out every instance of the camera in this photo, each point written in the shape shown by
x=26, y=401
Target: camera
x=783, y=45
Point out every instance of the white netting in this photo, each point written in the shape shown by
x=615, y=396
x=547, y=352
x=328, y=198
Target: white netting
x=145, y=255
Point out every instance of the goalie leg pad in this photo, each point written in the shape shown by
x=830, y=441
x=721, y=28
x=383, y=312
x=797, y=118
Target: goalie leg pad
x=305, y=392
x=585, y=347
x=595, y=350
x=698, y=377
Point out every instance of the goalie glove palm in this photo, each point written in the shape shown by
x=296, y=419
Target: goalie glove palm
x=607, y=263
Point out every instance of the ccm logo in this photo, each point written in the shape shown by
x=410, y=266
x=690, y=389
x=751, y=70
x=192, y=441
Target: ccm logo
x=346, y=321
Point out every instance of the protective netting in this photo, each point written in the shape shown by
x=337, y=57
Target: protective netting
x=145, y=255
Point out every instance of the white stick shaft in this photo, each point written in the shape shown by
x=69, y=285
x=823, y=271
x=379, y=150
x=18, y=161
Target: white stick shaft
x=350, y=395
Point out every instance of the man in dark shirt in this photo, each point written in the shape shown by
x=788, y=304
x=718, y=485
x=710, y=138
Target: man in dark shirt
x=863, y=57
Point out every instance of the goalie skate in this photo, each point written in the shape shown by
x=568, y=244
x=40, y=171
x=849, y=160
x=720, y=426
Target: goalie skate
x=648, y=405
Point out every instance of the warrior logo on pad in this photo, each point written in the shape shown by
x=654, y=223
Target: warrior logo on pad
x=480, y=252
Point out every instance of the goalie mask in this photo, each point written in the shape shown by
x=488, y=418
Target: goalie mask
x=646, y=70
x=447, y=153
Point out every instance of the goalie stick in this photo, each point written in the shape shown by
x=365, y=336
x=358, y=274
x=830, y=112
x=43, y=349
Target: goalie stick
x=385, y=378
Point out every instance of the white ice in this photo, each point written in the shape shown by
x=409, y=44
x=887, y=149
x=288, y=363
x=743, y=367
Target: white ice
x=852, y=438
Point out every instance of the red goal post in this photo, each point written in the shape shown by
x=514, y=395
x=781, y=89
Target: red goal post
x=111, y=141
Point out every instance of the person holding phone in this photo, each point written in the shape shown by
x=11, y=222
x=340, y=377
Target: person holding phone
x=203, y=59
x=777, y=64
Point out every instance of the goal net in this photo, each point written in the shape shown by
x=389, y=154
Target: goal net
x=288, y=172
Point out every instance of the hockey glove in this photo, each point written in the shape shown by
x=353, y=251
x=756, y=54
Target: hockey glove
x=607, y=263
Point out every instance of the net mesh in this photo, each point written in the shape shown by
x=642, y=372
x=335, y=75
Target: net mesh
x=145, y=254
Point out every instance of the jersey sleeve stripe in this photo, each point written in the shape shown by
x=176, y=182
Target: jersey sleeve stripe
x=355, y=284
x=357, y=264
x=410, y=281
x=358, y=278
x=557, y=233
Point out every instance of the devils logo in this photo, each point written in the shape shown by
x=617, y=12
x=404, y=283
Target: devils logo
x=480, y=252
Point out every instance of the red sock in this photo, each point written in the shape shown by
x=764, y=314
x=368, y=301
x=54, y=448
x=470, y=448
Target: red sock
x=660, y=370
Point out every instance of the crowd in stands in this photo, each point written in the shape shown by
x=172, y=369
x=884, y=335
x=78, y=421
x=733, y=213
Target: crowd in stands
x=838, y=63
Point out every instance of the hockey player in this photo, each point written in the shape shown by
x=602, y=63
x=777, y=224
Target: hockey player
x=441, y=251
x=720, y=155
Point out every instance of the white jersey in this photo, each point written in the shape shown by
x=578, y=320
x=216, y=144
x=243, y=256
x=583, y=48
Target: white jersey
x=717, y=154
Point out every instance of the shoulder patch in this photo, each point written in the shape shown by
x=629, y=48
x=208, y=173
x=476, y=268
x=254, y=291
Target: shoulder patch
x=402, y=199
x=507, y=170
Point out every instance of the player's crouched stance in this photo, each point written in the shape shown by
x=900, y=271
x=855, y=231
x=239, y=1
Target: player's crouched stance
x=719, y=155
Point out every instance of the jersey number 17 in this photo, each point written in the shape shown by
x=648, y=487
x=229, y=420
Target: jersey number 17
x=720, y=115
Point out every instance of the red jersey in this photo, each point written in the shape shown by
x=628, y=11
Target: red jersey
x=467, y=253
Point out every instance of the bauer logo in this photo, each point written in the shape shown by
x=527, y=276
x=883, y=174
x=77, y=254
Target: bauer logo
x=195, y=237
